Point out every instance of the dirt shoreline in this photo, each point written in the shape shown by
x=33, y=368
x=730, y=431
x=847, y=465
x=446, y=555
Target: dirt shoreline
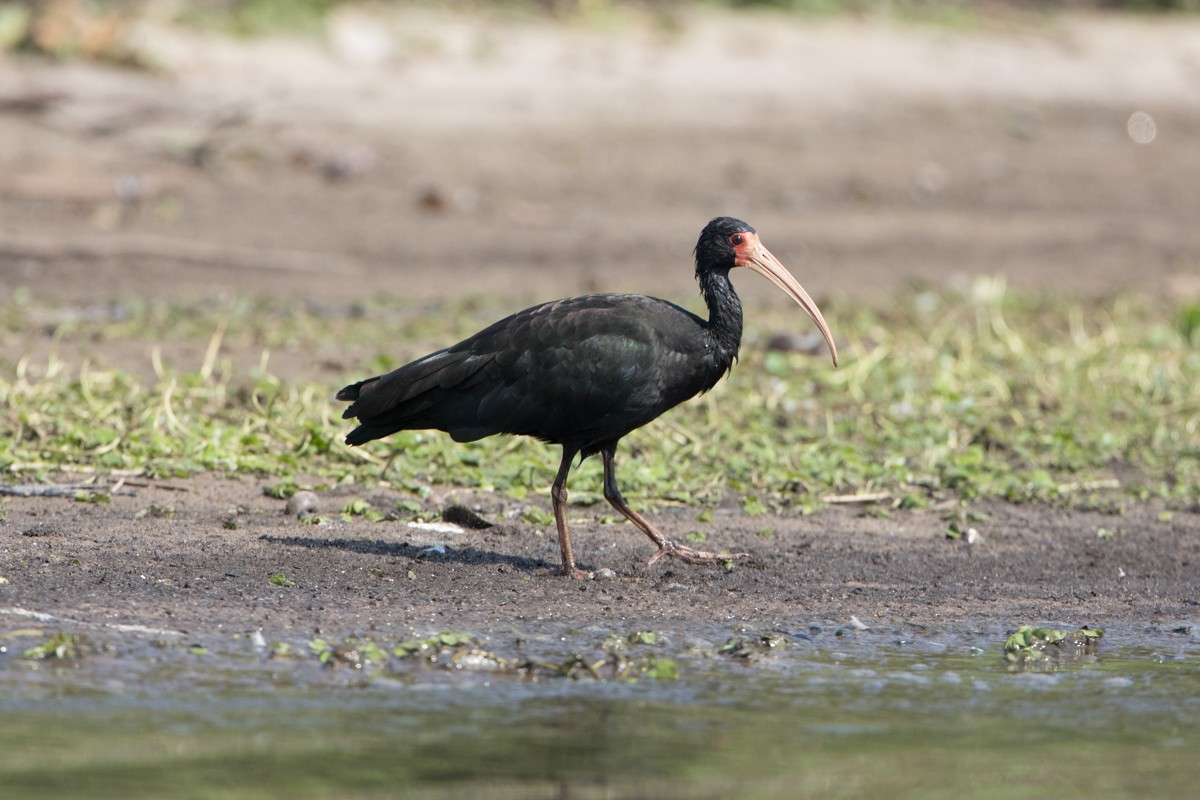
x=209, y=567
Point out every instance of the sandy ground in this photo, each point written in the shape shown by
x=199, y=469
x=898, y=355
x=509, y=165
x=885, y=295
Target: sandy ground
x=195, y=574
x=426, y=156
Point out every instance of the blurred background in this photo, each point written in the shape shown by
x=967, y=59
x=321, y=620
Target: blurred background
x=331, y=151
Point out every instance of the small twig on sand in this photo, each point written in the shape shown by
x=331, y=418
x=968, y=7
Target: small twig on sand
x=845, y=499
x=143, y=485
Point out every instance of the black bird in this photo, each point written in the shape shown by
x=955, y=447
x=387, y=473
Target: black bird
x=581, y=373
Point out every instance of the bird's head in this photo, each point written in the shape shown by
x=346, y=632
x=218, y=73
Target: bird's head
x=726, y=243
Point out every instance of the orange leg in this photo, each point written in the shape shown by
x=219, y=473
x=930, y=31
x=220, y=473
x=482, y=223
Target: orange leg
x=666, y=547
x=558, y=497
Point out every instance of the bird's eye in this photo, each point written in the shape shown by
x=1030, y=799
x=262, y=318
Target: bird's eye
x=737, y=240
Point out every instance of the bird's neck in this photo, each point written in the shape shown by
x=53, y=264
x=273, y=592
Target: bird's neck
x=724, y=313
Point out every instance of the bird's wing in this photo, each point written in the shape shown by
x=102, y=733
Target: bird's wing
x=566, y=369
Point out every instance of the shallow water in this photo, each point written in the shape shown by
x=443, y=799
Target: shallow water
x=905, y=712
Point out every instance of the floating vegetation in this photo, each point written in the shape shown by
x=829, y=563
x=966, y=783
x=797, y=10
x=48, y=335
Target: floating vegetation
x=431, y=648
x=621, y=657
x=359, y=654
x=753, y=646
x=1030, y=646
x=61, y=647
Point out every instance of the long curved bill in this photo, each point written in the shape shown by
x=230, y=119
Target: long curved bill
x=759, y=259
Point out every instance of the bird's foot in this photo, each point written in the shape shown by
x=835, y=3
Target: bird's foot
x=576, y=573
x=691, y=555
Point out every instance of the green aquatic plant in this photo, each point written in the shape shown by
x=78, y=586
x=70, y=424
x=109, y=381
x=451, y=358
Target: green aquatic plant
x=61, y=647
x=1030, y=645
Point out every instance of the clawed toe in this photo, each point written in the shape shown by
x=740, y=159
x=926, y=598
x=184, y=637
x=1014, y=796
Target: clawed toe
x=692, y=556
x=574, y=572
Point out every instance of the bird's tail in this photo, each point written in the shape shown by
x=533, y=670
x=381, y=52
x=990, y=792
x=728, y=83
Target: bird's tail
x=352, y=391
x=367, y=430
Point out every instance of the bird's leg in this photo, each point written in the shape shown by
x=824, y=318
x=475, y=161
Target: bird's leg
x=666, y=547
x=558, y=498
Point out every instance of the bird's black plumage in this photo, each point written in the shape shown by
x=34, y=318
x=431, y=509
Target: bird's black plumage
x=580, y=372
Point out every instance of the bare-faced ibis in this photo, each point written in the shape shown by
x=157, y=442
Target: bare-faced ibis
x=581, y=373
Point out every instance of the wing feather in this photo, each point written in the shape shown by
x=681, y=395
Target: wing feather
x=584, y=369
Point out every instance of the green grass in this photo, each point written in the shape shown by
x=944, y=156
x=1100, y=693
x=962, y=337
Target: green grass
x=940, y=397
